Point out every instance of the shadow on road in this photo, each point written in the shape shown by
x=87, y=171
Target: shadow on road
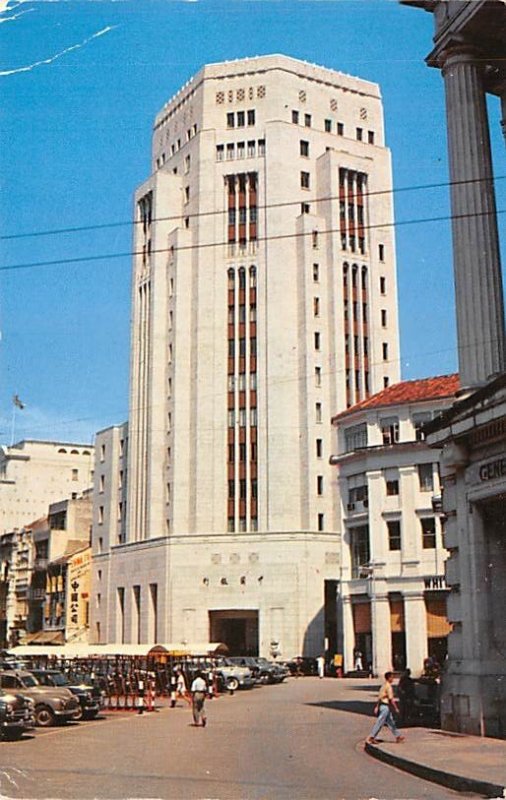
x=365, y=688
x=352, y=706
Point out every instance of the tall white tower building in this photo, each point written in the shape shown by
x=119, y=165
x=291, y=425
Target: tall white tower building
x=264, y=300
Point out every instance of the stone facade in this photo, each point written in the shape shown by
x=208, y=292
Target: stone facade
x=392, y=590
x=264, y=299
x=34, y=474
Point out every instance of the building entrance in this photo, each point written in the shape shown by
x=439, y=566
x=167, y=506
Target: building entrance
x=494, y=525
x=237, y=628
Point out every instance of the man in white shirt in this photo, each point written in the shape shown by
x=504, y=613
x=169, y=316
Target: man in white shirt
x=198, y=690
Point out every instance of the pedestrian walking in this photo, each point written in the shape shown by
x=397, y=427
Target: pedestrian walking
x=198, y=691
x=384, y=707
x=357, y=655
x=321, y=666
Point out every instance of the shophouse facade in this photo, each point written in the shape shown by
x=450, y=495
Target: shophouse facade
x=392, y=592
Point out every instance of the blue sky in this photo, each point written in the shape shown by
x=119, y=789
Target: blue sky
x=75, y=142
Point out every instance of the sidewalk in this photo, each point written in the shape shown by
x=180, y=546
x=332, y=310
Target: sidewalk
x=465, y=763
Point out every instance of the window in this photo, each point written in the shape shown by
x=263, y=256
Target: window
x=295, y=117
x=317, y=340
x=360, y=134
x=316, y=306
x=390, y=430
x=187, y=163
x=102, y=452
x=394, y=534
x=186, y=194
x=385, y=351
x=304, y=148
x=75, y=474
x=419, y=419
x=304, y=180
x=383, y=317
x=328, y=125
x=316, y=273
x=251, y=116
x=425, y=477
x=355, y=437
x=370, y=137
x=261, y=147
x=307, y=120
x=319, y=448
x=230, y=120
x=381, y=256
x=318, y=412
x=100, y=515
x=386, y=382
x=241, y=119
x=321, y=522
x=231, y=489
x=318, y=376
x=101, y=485
x=428, y=533
x=314, y=239
x=305, y=208
x=251, y=148
x=340, y=129
x=230, y=152
x=360, y=549
x=392, y=487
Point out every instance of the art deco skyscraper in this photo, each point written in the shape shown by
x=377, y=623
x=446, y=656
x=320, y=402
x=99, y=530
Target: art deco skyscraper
x=264, y=301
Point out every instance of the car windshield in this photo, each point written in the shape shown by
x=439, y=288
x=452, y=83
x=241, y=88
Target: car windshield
x=59, y=680
x=29, y=681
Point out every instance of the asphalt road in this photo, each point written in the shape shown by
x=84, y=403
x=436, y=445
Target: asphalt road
x=300, y=740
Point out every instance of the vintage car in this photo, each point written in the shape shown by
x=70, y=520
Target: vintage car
x=89, y=705
x=51, y=705
x=16, y=715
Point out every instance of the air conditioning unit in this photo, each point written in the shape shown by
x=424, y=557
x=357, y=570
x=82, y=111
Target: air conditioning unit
x=351, y=506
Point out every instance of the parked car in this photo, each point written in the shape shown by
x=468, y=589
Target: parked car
x=275, y=672
x=250, y=663
x=51, y=705
x=16, y=715
x=89, y=706
x=302, y=665
x=234, y=676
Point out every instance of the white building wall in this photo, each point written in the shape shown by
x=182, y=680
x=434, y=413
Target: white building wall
x=177, y=470
x=34, y=474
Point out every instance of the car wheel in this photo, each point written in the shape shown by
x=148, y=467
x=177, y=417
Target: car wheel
x=78, y=714
x=232, y=684
x=90, y=714
x=44, y=716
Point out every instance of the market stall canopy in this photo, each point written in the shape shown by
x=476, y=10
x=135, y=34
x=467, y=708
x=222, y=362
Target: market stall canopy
x=80, y=650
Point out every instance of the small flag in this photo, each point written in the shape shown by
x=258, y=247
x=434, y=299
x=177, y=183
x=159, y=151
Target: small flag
x=17, y=402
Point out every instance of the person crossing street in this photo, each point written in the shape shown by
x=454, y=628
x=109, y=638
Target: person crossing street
x=198, y=692
x=384, y=707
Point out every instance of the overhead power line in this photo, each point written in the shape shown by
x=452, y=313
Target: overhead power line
x=288, y=203
x=276, y=237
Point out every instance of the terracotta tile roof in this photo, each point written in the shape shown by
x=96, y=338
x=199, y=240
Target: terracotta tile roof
x=408, y=392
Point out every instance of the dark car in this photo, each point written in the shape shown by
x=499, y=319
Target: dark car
x=89, y=706
x=273, y=671
x=302, y=665
x=16, y=715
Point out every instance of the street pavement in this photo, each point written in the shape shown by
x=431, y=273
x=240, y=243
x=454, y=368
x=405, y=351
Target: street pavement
x=300, y=740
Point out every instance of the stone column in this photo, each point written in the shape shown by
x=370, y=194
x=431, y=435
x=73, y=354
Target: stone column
x=348, y=633
x=415, y=622
x=381, y=634
x=477, y=268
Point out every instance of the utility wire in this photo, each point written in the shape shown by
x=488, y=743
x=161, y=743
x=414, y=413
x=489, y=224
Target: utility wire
x=108, y=225
x=277, y=237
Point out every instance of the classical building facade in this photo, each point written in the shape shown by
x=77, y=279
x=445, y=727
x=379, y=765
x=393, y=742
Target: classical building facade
x=392, y=590
x=264, y=299
x=35, y=473
x=470, y=50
